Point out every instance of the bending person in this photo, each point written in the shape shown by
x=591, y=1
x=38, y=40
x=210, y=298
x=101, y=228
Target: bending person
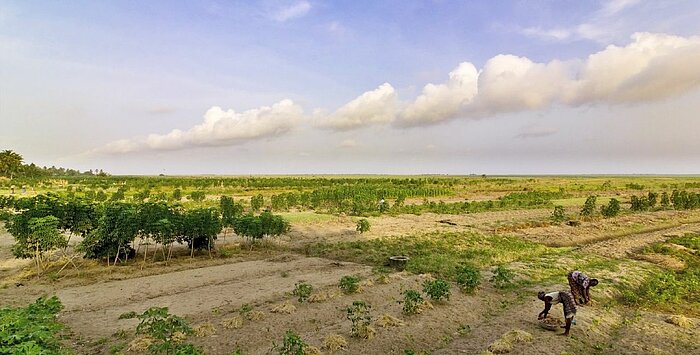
x=580, y=285
x=566, y=300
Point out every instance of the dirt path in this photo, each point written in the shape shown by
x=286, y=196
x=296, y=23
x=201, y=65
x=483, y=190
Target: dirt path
x=628, y=245
x=94, y=310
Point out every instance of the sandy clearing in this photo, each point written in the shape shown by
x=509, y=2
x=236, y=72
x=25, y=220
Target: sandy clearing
x=93, y=310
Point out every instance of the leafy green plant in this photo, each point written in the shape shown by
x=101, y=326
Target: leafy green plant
x=559, y=214
x=359, y=315
x=611, y=209
x=502, y=277
x=349, y=284
x=32, y=329
x=412, y=300
x=362, y=226
x=588, y=208
x=292, y=344
x=302, y=291
x=437, y=289
x=468, y=278
x=166, y=329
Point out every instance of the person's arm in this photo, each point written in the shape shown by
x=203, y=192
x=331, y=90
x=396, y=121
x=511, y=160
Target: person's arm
x=547, y=307
x=587, y=294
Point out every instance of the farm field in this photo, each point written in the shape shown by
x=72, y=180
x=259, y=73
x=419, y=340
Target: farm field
x=496, y=241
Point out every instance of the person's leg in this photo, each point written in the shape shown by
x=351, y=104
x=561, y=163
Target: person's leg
x=573, y=286
x=568, y=326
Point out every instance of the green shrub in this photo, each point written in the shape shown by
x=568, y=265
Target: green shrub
x=292, y=344
x=302, y=290
x=412, y=300
x=32, y=329
x=588, y=207
x=359, y=315
x=349, y=284
x=611, y=209
x=362, y=226
x=437, y=289
x=468, y=278
x=559, y=214
x=164, y=328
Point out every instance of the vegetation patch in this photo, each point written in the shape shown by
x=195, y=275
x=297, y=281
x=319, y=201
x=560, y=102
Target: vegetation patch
x=32, y=329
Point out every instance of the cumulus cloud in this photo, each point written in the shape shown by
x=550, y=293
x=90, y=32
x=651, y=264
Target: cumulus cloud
x=443, y=101
x=291, y=12
x=651, y=67
x=378, y=106
x=220, y=128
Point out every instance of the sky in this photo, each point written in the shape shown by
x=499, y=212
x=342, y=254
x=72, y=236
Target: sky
x=353, y=87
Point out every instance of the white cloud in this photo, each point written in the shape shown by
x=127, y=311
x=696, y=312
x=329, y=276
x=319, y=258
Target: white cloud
x=612, y=7
x=372, y=107
x=297, y=10
x=651, y=67
x=443, y=101
x=220, y=128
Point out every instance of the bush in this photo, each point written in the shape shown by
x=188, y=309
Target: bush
x=612, y=208
x=292, y=344
x=32, y=329
x=359, y=314
x=468, y=278
x=349, y=284
x=302, y=290
x=166, y=329
x=437, y=289
x=558, y=215
x=362, y=226
x=588, y=207
x=412, y=300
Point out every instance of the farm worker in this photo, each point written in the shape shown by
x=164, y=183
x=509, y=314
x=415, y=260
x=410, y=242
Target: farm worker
x=580, y=285
x=566, y=300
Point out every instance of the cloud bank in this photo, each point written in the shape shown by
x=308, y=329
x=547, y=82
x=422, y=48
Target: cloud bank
x=651, y=67
x=220, y=128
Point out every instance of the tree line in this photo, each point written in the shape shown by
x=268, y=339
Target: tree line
x=113, y=230
x=12, y=166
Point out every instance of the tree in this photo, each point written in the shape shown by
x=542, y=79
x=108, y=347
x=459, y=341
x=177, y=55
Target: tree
x=44, y=236
x=199, y=228
x=10, y=163
x=257, y=227
x=559, y=214
x=116, y=230
x=230, y=210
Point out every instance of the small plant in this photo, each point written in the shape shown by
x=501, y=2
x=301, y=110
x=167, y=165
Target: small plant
x=349, y=284
x=292, y=344
x=32, y=329
x=611, y=209
x=559, y=214
x=437, y=289
x=362, y=226
x=412, y=300
x=588, y=207
x=302, y=290
x=502, y=277
x=166, y=329
x=245, y=309
x=468, y=278
x=359, y=314
x=464, y=329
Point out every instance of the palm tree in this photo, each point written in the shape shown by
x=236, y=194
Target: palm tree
x=10, y=163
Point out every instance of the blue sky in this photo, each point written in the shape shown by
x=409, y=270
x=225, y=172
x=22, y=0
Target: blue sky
x=301, y=86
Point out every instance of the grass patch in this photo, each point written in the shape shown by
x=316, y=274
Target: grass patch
x=670, y=290
x=437, y=253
